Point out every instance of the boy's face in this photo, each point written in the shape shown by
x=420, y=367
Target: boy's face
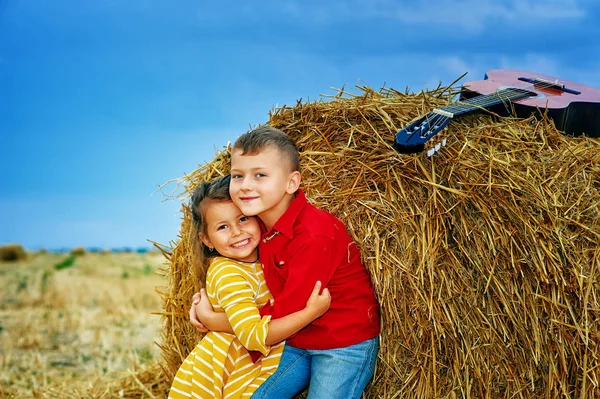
x=262, y=184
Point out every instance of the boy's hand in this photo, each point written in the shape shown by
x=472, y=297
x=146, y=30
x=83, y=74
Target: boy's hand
x=196, y=299
x=318, y=303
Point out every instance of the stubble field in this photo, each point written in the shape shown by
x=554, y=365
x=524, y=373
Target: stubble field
x=72, y=320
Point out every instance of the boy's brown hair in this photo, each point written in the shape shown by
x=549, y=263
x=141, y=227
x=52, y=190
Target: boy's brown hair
x=256, y=140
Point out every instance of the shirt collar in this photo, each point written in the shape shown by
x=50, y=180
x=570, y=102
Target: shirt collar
x=285, y=223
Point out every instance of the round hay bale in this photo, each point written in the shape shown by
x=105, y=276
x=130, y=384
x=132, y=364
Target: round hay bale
x=78, y=251
x=12, y=253
x=484, y=257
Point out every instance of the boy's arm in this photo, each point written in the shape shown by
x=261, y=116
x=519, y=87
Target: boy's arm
x=316, y=306
x=279, y=329
x=236, y=296
x=311, y=261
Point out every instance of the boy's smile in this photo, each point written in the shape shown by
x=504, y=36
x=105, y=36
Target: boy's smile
x=247, y=199
x=262, y=184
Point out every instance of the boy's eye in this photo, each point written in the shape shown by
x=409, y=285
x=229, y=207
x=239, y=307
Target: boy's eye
x=236, y=176
x=244, y=219
x=260, y=175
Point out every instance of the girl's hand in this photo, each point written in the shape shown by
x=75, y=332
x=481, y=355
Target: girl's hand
x=196, y=299
x=205, y=318
x=318, y=303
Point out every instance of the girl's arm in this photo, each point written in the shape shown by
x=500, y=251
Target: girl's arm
x=279, y=329
x=204, y=318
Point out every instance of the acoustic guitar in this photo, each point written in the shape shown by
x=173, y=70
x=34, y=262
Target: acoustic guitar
x=574, y=108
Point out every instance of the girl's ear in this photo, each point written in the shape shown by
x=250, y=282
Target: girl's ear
x=206, y=240
x=293, y=182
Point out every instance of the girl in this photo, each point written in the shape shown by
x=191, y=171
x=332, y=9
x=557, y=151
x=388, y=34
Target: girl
x=225, y=365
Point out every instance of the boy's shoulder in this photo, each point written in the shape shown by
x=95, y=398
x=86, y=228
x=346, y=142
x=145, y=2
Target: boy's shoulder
x=317, y=221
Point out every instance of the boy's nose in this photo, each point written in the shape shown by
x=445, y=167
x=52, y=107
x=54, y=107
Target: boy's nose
x=245, y=185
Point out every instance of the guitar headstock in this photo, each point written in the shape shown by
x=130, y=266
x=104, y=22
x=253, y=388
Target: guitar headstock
x=413, y=137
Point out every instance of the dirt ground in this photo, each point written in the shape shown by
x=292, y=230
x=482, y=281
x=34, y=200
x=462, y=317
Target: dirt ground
x=67, y=319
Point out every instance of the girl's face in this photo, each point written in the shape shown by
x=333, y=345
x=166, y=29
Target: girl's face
x=230, y=232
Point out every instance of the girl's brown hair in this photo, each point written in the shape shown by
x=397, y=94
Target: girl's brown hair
x=215, y=190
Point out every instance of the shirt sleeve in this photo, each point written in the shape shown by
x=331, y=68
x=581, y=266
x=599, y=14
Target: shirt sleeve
x=235, y=295
x=311, y=260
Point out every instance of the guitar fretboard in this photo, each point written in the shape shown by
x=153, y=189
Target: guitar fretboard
x=484, y=101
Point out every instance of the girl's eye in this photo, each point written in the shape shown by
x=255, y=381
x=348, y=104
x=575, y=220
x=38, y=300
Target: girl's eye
x=260, y=175
x=236, y=176
x=243, y=219
x=221, y=227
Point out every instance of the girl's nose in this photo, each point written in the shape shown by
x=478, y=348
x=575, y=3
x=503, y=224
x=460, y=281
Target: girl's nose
x=236, y=231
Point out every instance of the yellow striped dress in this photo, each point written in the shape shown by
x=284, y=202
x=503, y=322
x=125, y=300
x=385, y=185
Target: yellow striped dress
x=220, y=366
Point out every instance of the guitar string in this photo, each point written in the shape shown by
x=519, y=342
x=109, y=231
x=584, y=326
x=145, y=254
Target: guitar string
x=481, y=102
x=440, y=120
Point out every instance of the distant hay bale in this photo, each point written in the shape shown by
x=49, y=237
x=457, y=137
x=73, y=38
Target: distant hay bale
x=12, y=253
x=78, y=251
x=484, y=257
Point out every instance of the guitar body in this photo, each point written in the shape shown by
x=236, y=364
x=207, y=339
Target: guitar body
x=573, y=114
x=573, y=107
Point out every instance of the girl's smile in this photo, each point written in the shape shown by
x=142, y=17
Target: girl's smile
x=230, y=232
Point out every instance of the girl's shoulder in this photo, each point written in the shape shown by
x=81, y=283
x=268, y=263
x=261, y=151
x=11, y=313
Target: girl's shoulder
x=221, y=264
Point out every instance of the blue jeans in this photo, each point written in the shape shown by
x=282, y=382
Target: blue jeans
x=331, y=373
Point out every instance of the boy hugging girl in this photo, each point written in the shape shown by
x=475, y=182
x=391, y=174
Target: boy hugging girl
x=301, y=249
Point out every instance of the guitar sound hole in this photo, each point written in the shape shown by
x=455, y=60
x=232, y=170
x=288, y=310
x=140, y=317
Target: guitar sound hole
x=532, y=94
x=524, y=92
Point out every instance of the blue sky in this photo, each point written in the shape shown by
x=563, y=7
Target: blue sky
x=103, y=101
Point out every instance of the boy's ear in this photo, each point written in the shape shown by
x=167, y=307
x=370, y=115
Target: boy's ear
x=206, y=240
x=293, y=182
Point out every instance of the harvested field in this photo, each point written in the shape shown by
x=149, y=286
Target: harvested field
x=69, y=323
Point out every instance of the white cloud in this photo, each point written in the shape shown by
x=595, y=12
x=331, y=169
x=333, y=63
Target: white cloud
x=455, y=65
x=476, y=66
x=469, y=15
x=472, y=15
x=532, y=63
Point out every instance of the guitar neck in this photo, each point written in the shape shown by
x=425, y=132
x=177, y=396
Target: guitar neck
x=484, y=101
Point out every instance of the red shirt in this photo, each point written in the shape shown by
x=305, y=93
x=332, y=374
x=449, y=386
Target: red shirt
x=307, y=244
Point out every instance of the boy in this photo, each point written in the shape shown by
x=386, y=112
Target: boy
x=301, y=244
